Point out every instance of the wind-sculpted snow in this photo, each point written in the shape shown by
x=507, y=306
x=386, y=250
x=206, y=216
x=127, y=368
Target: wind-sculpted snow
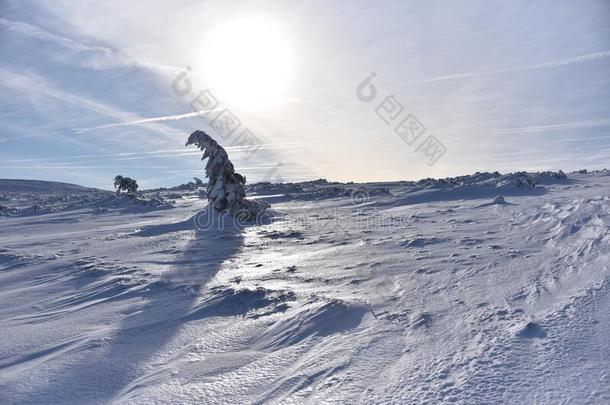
x=30, y=198
x=478, y=185
x=478, y=289
x=39, y=186
x=311, y=320
x=519, y=180
x=319, y=190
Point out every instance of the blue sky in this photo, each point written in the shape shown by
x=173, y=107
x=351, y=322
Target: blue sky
x=86, y=87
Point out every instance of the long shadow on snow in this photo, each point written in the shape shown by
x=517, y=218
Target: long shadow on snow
x=114, y=371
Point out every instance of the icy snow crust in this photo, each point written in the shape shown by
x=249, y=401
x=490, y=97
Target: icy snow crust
x=433, y=291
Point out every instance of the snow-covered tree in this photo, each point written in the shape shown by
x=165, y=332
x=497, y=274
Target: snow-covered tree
x=125, y=184
x=225, y=188
x=198, y=182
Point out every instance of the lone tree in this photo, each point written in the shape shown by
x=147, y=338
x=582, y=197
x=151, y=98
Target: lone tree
x=198, y=182
x=225, y=188
x=125, y=184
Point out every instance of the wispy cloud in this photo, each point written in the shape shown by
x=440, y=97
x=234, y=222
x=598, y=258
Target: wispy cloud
x=599, y=123
x=34, y=31
x=131, y=156
x=97, y=90
x=98, y=57
x=42, y=92
x=557, y=63
x=176, y=117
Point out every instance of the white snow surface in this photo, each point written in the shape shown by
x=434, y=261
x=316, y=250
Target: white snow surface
x=407, y=292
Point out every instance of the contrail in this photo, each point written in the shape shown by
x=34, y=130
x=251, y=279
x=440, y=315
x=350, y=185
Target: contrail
x=109, y=57
x=556, y=127
x=34, y=31
x=562, y=62
x=142, y=121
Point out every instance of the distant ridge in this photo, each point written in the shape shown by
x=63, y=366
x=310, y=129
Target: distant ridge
x=40, y=186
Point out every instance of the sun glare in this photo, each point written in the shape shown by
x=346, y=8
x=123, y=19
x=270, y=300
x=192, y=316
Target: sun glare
x=249, y=62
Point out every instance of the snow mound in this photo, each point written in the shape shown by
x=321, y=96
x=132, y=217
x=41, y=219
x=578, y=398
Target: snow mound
x=29, y=198
x=531, y=330
x=147, y=200
x=521, y=179
x=33, y=197
x=311, y=320
x=318, y=190
x=478, y=185
x=419, y=241
x=499, y=200
x=244, y=302
x=41, y=186
x=475, y=186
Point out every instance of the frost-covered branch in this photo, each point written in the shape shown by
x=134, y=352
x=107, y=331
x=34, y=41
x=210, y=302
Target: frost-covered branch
x=225, y=188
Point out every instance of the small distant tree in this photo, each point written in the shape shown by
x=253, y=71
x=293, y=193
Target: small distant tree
x=125, y=184
x=198, y=182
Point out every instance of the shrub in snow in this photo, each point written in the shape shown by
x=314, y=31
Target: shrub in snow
x=560, y=175
x=156, y=202
x=191, y=185
x=198, y=182
x=125, y=183
x=525, y=181
x=225, y=188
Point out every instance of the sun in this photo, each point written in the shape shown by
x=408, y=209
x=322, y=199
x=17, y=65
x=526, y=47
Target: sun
x=248, y=61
